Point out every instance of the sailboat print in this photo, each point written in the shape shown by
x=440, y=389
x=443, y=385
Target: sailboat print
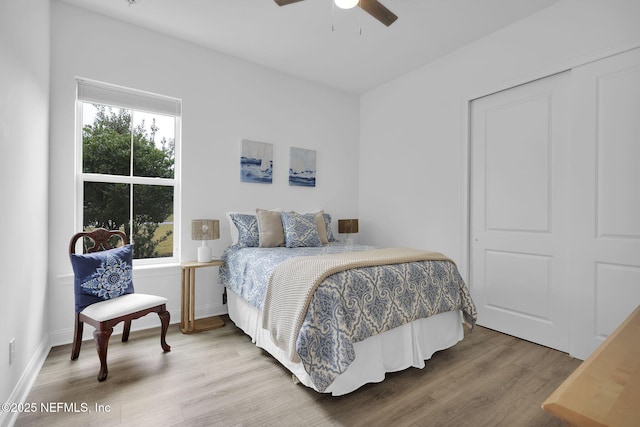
x=256, y=162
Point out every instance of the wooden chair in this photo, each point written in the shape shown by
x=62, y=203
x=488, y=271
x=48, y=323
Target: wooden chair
x=105, y=314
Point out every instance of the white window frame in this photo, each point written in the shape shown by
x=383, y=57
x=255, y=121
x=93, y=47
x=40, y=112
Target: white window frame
x=91, y=91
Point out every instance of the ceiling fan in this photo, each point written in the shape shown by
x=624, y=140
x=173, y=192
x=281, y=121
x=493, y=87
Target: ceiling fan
x=372, y=7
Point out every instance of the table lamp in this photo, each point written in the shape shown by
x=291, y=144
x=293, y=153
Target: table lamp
x=205, y=229
x=348, y=226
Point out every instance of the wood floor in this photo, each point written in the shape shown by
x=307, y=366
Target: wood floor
x=219, y=378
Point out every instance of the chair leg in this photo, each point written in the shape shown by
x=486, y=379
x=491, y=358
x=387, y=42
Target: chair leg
x=165, y=316
x=125, y=331
x=101, y=339
x=77, y=338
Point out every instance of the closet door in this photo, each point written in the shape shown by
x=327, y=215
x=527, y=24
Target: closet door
x=519, y=205
x=605, y=156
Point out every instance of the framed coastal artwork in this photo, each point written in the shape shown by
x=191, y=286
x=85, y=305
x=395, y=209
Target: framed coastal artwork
x=302, y=167
x=256, y=162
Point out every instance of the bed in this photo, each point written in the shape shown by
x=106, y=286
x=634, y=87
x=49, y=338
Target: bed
x=339, y=315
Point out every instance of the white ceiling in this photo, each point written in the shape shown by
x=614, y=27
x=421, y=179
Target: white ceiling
x=298, y=39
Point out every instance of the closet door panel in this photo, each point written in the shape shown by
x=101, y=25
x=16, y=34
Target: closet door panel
x=605, y=255
x=519, y=176
x=618, y=153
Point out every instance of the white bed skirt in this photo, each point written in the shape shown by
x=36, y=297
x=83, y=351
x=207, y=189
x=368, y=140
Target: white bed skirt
x=391, y=351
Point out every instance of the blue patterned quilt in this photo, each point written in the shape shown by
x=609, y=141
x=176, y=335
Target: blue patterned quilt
x=352, y=305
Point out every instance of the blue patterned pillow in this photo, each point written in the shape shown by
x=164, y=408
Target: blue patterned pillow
x=327, y=223
x=100, y=276
x=300, y=230
x=248, y=234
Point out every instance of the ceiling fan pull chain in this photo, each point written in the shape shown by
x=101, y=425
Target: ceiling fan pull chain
x=360, y=16
x=333, y=16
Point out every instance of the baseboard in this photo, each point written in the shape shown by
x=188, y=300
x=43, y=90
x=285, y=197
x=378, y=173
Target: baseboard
x=27, y=379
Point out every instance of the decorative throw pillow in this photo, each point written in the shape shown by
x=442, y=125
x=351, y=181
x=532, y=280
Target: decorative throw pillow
x=327, y=223
x=247, y=226
x=322, y=227
x=233, y=230
x=100, y=276
x=271, y=233
x=300, y=230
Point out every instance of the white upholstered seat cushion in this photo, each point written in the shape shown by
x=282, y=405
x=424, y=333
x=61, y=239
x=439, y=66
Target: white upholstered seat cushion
x=125, y=304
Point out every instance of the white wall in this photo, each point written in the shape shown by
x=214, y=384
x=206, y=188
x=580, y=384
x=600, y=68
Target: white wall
x=413, y=138
x=224, y=101
x=411, y=156
x=24, y=127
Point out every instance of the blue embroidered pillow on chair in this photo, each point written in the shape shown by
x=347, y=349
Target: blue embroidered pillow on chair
x=100, y=276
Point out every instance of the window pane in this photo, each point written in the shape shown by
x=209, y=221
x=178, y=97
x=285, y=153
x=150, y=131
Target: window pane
x=129, y=139
x=152, y=221
x=106, y=205
x=153, y=145
x=106, y=140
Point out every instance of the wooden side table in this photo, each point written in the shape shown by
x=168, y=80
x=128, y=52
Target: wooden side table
x=188, y=322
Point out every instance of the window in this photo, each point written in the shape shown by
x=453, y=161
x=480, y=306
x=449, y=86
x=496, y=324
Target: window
x=128, y=167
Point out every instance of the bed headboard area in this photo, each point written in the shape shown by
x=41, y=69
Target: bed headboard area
x=267, y=228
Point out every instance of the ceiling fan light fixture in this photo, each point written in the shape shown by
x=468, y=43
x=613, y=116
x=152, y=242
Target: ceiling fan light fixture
x=346, y=4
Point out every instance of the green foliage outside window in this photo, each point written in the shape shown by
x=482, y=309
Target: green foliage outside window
x=107, y=146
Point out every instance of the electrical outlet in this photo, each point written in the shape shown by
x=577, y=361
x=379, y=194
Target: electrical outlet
x=12, y=350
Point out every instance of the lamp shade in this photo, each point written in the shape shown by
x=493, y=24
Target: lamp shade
x=348, y=226
x=205, y=229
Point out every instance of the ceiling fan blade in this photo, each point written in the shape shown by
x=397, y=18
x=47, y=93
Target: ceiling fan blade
x=286, y=2
x=378, y=11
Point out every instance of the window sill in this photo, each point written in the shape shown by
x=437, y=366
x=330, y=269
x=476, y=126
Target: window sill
x=139, y=271
x=151, y=270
